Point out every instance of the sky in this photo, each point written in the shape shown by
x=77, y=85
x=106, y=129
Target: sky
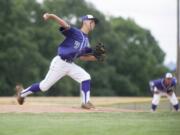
x=158, y=16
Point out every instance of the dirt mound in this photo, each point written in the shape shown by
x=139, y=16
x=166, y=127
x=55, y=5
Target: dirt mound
x=55, y=109
x=59, y=104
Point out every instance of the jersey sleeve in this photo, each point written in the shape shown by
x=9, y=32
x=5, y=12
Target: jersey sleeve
x=174, y=81
x=151, y=85
x=85, y=51
x=71, y=32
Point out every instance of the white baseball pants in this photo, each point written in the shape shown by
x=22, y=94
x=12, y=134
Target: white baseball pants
x=172, y=98
x=58, y=69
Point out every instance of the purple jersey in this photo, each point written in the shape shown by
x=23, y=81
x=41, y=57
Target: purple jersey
x=75, y=44
x=159, y=84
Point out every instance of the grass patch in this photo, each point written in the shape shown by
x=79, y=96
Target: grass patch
x=160, y=123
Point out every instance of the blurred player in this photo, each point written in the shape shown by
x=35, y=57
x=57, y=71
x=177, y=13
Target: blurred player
x=75, y=45
x=164, y=87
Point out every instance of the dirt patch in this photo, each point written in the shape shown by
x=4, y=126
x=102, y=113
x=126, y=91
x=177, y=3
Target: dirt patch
x=56, y=109
x=56, y=105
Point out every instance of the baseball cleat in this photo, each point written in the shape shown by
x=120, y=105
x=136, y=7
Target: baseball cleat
x=88, y=105
x=153, y=111
x=20, y=99
x=85, y=106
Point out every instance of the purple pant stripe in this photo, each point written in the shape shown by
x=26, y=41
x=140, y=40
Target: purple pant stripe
x=85, y=87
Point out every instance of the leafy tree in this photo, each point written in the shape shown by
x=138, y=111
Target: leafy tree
x=20, y=57
x=140, y=55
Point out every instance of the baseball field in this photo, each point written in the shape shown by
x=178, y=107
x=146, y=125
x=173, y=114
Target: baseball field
x=63, y=116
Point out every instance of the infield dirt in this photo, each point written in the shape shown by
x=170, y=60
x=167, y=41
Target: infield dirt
x=67, y=104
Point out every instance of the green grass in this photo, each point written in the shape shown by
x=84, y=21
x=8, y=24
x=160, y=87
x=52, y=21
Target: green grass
x=160, y=123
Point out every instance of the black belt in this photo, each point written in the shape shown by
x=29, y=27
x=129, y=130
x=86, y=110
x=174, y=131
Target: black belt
x=67, y=60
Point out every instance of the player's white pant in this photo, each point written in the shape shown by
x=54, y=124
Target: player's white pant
x=172, y=98
x=60, y=68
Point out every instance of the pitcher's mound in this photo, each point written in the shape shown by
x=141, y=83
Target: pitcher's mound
x=56, y=109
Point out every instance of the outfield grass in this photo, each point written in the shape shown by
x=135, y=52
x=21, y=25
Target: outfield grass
x=160, y=123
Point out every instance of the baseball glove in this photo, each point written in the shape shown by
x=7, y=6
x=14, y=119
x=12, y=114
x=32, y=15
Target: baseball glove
x=99, y=52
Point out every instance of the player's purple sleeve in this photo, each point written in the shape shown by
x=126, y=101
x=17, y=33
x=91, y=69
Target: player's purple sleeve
x=151, y=85
x=174, y=81
x=71, y=32
x=85, y=51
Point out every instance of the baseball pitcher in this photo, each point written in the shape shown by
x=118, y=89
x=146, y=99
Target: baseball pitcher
x=75, y=45
x=164, y=87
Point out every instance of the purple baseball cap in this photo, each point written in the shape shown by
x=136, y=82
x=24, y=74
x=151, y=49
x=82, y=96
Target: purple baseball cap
x=90, y=17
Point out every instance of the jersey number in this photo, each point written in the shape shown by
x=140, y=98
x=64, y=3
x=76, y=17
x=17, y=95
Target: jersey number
x=76, y=44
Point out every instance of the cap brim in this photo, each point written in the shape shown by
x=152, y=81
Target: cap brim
x=95, y=20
